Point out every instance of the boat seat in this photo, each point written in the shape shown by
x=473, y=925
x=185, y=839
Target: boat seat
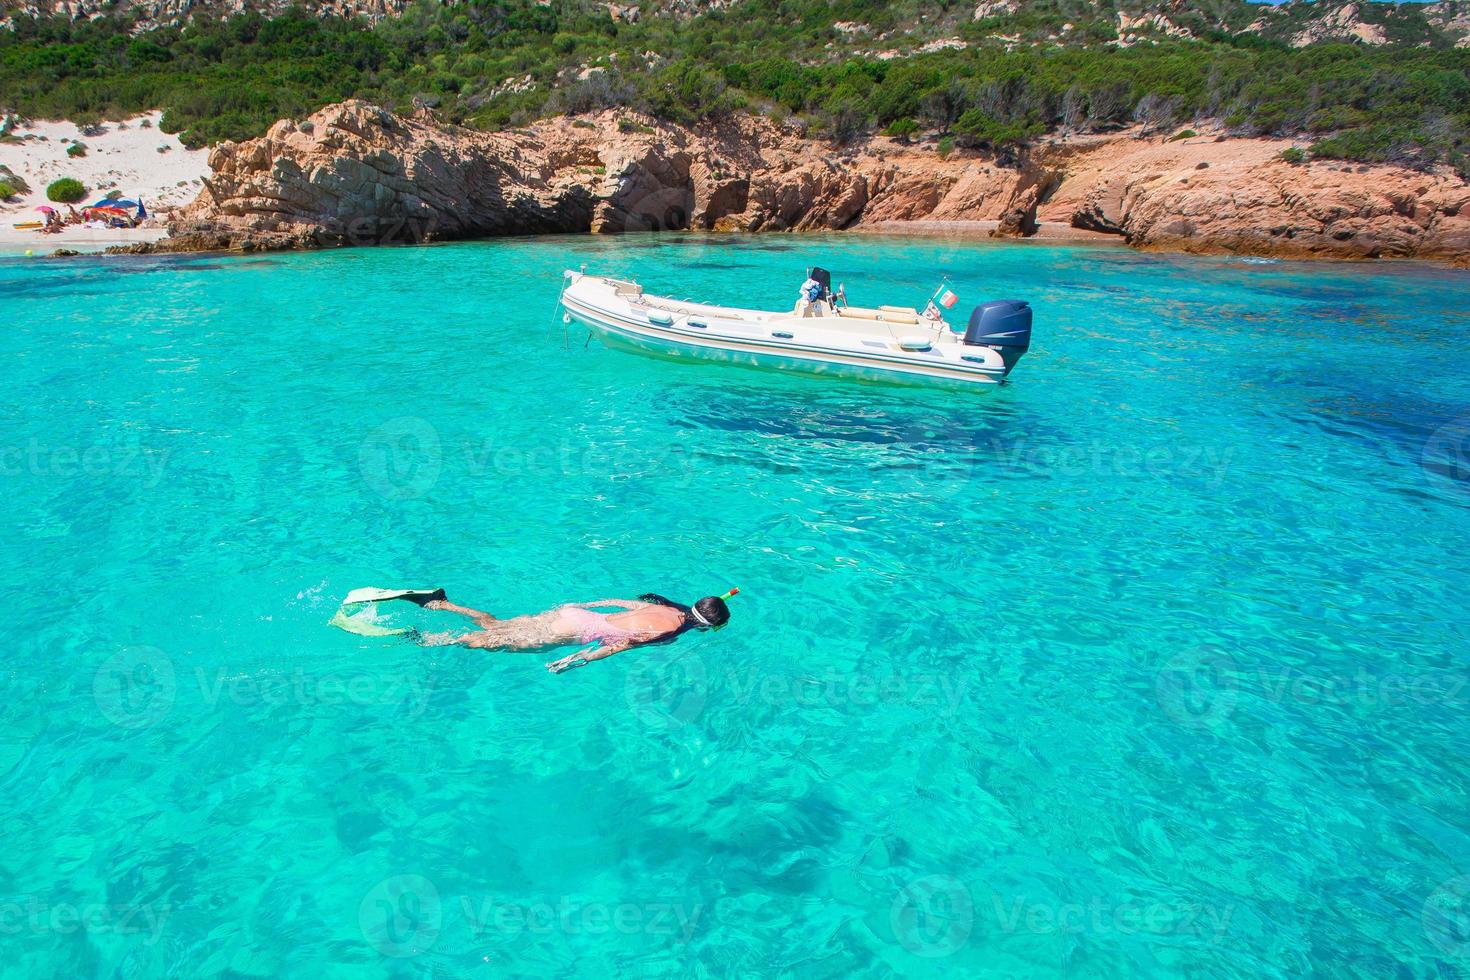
x=887, y=314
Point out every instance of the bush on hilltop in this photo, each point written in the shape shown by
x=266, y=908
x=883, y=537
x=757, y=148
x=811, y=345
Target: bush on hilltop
x=505, y=63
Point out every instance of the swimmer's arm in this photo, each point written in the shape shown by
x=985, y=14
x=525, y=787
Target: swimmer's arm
x=580, y=659
x=607, y=650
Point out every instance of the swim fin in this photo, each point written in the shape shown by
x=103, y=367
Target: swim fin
x=420, y=596
x=364, y=627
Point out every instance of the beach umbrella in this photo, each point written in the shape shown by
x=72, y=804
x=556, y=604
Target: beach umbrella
x=46, y=209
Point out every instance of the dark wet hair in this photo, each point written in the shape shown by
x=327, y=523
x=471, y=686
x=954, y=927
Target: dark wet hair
x=711, y=607
x=659, y=600
x=714, y=610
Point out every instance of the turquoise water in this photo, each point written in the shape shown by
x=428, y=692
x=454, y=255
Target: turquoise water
x=1149, y=663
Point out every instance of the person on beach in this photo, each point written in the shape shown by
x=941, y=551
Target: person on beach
x=649, y=619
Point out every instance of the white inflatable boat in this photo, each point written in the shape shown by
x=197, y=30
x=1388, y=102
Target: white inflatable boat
x=822, y=334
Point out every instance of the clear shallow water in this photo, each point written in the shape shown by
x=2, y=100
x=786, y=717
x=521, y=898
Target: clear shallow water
x=1151, y=662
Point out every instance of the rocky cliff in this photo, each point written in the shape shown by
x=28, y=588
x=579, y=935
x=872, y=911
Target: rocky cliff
x=357, y=174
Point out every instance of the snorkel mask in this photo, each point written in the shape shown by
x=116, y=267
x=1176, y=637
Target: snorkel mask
x=706, y=624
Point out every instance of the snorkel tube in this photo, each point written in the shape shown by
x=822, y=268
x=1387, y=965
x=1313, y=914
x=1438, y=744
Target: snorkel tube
x=734, y=591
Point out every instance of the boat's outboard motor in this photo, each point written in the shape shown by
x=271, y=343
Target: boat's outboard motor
x=1003, y=325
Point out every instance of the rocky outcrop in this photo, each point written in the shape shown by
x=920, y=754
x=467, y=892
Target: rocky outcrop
x=358, y=174
x=1240, y=196
x=1343, y=23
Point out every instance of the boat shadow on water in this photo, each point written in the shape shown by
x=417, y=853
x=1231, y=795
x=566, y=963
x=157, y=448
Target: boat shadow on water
x=908, y=442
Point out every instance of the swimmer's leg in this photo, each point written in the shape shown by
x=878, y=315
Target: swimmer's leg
x=490, y=639
x=480, y=617
x=522, y=633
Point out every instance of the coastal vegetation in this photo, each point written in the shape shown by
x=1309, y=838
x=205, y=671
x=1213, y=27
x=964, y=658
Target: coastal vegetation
x=841, y=69
x=67, y=190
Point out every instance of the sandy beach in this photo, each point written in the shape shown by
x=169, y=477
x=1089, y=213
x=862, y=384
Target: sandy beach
x=133, y=157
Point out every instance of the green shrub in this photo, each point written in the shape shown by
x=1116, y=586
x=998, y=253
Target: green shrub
x=77, y=150
x=1294, y=155
x=6, y=191
x=946, y=147
x=979, y=128
x=231, y=79
x=903, y=129
x=67, y=190
x=16, y=181
x=1183, y=134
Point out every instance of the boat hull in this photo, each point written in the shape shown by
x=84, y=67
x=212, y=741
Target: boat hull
x=772, y=345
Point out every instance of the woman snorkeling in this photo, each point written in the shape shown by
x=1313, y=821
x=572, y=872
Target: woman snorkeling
x=648, y=619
